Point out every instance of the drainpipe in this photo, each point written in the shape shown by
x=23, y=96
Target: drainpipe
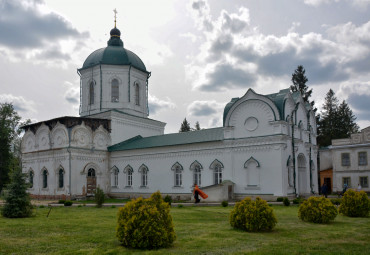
x=310, y=153
x=101, y=88
x=79, y=74
x=293, y=152
x=129, y=83
x=70, y=163
x=147, y=83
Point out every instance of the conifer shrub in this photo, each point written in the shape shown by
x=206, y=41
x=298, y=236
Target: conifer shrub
x=317, y=210
x=286, y=201
x=99, y=197
x=68, y=203
x=17, y=200
x=279, y=199
x=61, y=201
x=146, y=223
x=224, y=203
x=252, y=215
x=355, y=204
x=168, y=199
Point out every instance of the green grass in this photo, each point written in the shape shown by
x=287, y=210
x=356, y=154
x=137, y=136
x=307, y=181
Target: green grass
x=200, y=230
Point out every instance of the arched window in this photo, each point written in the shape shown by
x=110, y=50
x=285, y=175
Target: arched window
x=197, y=176
x=91, y=93
x=144, y=175
x=217, y=172
x=177, y=168
x=116, y=177
x=91, y=172
x=45, y=179
x=137, y=94
x=115, y=90
x=31, y=179
x=61, y=178
x=129, y=177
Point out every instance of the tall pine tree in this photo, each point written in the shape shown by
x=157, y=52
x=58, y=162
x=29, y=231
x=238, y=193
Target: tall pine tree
x=336, y=121
x=185, y=126
x=299, y=81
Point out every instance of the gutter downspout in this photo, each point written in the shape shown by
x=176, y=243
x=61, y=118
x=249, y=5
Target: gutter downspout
x=101, y=88
x=79, y=74
x=129, y=84
x=293, y=152
x=147, y=83
x=310, y=154
x=70, y=163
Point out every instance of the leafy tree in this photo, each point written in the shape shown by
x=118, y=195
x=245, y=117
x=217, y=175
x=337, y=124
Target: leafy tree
x=185, y=126
x=17, y=200
x=10, y=123
x=336, y=121
x=299, y=80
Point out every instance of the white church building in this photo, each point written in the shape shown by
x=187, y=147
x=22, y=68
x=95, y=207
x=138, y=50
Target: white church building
x=266, y=146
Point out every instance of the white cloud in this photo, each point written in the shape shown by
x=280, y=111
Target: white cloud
x=156, y=105
x=20, y=104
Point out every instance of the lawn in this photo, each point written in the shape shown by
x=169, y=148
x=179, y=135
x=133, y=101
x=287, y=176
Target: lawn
x=200, y=230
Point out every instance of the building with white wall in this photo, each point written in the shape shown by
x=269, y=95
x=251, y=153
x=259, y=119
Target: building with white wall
x=266, y=146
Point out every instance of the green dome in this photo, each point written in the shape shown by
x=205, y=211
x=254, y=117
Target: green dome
x=114, y=54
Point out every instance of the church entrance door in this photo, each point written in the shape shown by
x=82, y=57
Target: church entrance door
x=91, y=182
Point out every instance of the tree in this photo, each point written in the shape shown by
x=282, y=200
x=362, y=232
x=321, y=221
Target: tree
x=197, y=126
x=17, y=200
x=185, y=126
x=299, y=80
x=336, y=121
x=10, y=123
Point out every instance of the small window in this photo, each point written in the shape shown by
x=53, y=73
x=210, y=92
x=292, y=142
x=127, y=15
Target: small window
x=91, y=93
x=178, y=176
x=91, y=172
x=346, y=159
x=144, y=177
x=115, y=91
x=346, y=181
x=364, y=182
x=137, y=94
x=116, y=177
x=31, y=179
x=129, y=178
x=44, y=179
x=362, y=158
x=217, y=174
x=61, y=178
x=197, y=175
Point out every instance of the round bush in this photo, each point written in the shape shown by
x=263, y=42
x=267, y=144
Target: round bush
x=286, y=201
x=355, y=204
x=224, y=203
x=68, y=203
x=317, y=210
x=168, y=199
x=146, y=223
x=279, y=199
x=252, y=215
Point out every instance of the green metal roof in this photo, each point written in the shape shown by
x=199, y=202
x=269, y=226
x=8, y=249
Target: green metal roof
x=191, y=137
x=279, y=100
x=228, y=107
x=114, y=54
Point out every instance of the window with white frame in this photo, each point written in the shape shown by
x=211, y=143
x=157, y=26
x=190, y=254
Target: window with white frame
x=346, y=159
x=61, y=178
x=364, y=181
x=129, y=177
x=178, y=176
x=217, y=173
x=91, y=93
x=144, y=176
x=44, y=179
x=362, y=158
x=115, y=183
x=137, y=94
x=197, y=176
x=115, y=90
x=346, y=181
x=31, y=175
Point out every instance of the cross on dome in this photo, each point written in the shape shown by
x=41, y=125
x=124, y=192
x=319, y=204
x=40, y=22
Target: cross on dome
x=115, y=16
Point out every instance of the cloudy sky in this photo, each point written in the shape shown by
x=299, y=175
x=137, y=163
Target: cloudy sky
x=201, y=53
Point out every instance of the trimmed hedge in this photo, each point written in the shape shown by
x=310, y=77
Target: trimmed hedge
x=355, y=204
x=286, y=201
x=252, y=215
x=317, y=210
x=146, y=223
